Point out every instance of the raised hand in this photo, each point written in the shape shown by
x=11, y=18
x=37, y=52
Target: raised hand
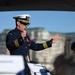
x=55, y=38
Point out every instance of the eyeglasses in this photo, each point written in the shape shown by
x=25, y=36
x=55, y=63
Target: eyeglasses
x=25, y=23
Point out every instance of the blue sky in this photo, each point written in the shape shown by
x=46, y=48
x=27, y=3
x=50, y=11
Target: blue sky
x=54, y=21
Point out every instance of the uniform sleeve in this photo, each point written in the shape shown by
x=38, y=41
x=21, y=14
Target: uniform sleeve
x=41, y=46
x=11, y=43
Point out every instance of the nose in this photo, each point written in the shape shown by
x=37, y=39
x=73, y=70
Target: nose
x=26, y=26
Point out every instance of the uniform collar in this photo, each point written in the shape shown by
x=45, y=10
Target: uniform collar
x=17, y=30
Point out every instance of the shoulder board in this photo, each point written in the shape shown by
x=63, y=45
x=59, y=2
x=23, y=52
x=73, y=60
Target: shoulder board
x=11, y=32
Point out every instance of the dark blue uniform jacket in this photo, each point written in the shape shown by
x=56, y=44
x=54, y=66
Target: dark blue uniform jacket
x=17, y=46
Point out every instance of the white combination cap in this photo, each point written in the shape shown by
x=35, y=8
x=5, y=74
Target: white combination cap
x=23, y=16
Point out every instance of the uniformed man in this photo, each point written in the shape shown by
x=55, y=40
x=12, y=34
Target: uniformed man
x=19, y=43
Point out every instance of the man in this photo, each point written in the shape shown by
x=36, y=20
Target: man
x=19, y=43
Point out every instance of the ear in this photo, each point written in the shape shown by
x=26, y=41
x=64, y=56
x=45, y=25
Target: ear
x=18, y=23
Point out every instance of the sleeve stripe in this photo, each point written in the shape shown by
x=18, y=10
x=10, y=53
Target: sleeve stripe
x=45, y=45
x=16, y=43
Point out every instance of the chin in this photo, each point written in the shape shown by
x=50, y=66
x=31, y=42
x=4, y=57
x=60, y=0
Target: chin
x=24, y=29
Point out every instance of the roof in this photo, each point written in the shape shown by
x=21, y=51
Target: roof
x=58, y=5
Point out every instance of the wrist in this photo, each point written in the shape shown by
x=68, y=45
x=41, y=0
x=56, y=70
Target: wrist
x=51, y=41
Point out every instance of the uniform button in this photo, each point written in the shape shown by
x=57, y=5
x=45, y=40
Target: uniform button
x=21, y=39
x=28, y=44
x=25, y=47
x=24, y=40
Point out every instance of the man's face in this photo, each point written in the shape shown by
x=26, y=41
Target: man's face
x=22, y=26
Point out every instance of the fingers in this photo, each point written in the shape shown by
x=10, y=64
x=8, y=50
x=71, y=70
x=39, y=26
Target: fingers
x=55, y=38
